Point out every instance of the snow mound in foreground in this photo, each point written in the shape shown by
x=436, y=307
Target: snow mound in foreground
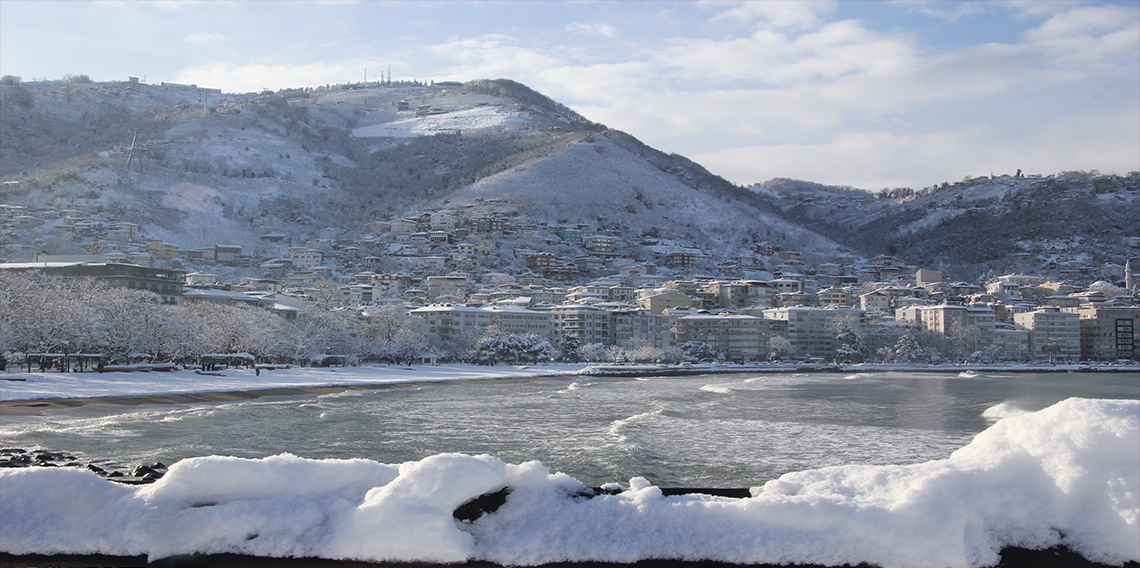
x=1066, y=475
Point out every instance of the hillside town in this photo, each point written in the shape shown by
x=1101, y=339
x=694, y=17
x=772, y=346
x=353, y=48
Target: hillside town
x=587, y=293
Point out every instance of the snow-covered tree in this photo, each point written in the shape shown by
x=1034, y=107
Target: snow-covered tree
x=698, y=352
x=849, y=346
x=779, y=348
x=569, y=346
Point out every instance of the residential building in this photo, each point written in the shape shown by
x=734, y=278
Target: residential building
x=812, y=331
x=591, y=324
x=736, y=337
x=1054, y=335
x=1108, y=333
x=600, y=244
x=1011, y=343
x=972, y=325
x=161, y=250
x=630, y=325
x=729, y=295
x=877, y=301
x=833, y=296
x=450, y=321
x=454, y=284
x=657, y=301
x=514, y=319
x=305, y=258
x=166, y=283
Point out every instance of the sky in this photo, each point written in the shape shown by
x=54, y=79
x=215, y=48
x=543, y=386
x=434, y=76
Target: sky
x=892, y=93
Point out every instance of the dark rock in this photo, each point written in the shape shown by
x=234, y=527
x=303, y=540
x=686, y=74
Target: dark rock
x=484, y=504
x=143, y=471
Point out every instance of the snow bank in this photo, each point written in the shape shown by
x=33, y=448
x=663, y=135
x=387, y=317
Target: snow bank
x=1066, y=475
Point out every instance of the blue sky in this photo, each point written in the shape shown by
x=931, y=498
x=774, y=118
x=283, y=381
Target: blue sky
x=868, y=94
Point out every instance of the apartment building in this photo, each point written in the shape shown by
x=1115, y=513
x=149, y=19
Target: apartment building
x=1055, y=335
x=591, y=324
x=976, y=322
x=736, y=337
x=1108, y=333
x=450, y=321
x=811, y=331
x=515, y=319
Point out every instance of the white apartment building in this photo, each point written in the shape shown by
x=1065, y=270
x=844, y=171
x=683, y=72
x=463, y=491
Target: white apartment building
x=591, y=324
x=735, y=337
x=305, y=258
x=451, y=321
x=514, y=319
x=1054, y=335
x=977, y=322
x=811, y=331
x=454, y=284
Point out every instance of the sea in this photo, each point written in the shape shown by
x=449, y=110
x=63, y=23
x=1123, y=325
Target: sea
x=731, y=430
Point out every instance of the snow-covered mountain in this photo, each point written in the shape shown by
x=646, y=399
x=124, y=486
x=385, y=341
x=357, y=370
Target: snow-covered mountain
x=1001, y=223
x=196, y=167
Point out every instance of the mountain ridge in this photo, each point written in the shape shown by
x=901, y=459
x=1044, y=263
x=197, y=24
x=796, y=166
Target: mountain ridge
x=197, y=167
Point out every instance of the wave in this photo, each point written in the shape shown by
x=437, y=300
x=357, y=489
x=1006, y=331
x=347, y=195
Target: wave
x=1003, y=410
x=718, y=389
x=1066, y=475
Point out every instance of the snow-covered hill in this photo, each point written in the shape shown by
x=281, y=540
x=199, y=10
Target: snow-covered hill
x=1003, y=223
x=197, y=168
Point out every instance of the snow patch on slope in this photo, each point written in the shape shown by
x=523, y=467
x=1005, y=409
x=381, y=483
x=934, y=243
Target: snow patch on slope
x=465, y=120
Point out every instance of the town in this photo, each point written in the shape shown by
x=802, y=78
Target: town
x=591, y=294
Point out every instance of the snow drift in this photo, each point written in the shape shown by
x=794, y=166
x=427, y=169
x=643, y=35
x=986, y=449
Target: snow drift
x=1066, y=475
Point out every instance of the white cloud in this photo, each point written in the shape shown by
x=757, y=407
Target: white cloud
x=785, y=14
x=873, y=160
x=600, y=29
x=1088, y=36
x=947, y=11
x=232, y=77
x=492, y=56
x=211, y=37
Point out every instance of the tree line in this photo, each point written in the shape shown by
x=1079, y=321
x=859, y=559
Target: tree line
x=43, y=314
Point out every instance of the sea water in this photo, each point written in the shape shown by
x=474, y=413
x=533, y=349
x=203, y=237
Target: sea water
x=722, y=430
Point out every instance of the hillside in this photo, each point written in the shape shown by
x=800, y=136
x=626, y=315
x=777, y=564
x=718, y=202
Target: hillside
x=196, y=167
x=1002, y=224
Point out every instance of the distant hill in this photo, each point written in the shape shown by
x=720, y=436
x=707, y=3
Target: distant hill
x=1001, y=224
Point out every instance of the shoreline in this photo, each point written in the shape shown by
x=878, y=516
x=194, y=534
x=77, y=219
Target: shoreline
x=382, y=377
x=30, y=406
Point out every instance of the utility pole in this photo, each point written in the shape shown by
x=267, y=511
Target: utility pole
x=131, y=153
